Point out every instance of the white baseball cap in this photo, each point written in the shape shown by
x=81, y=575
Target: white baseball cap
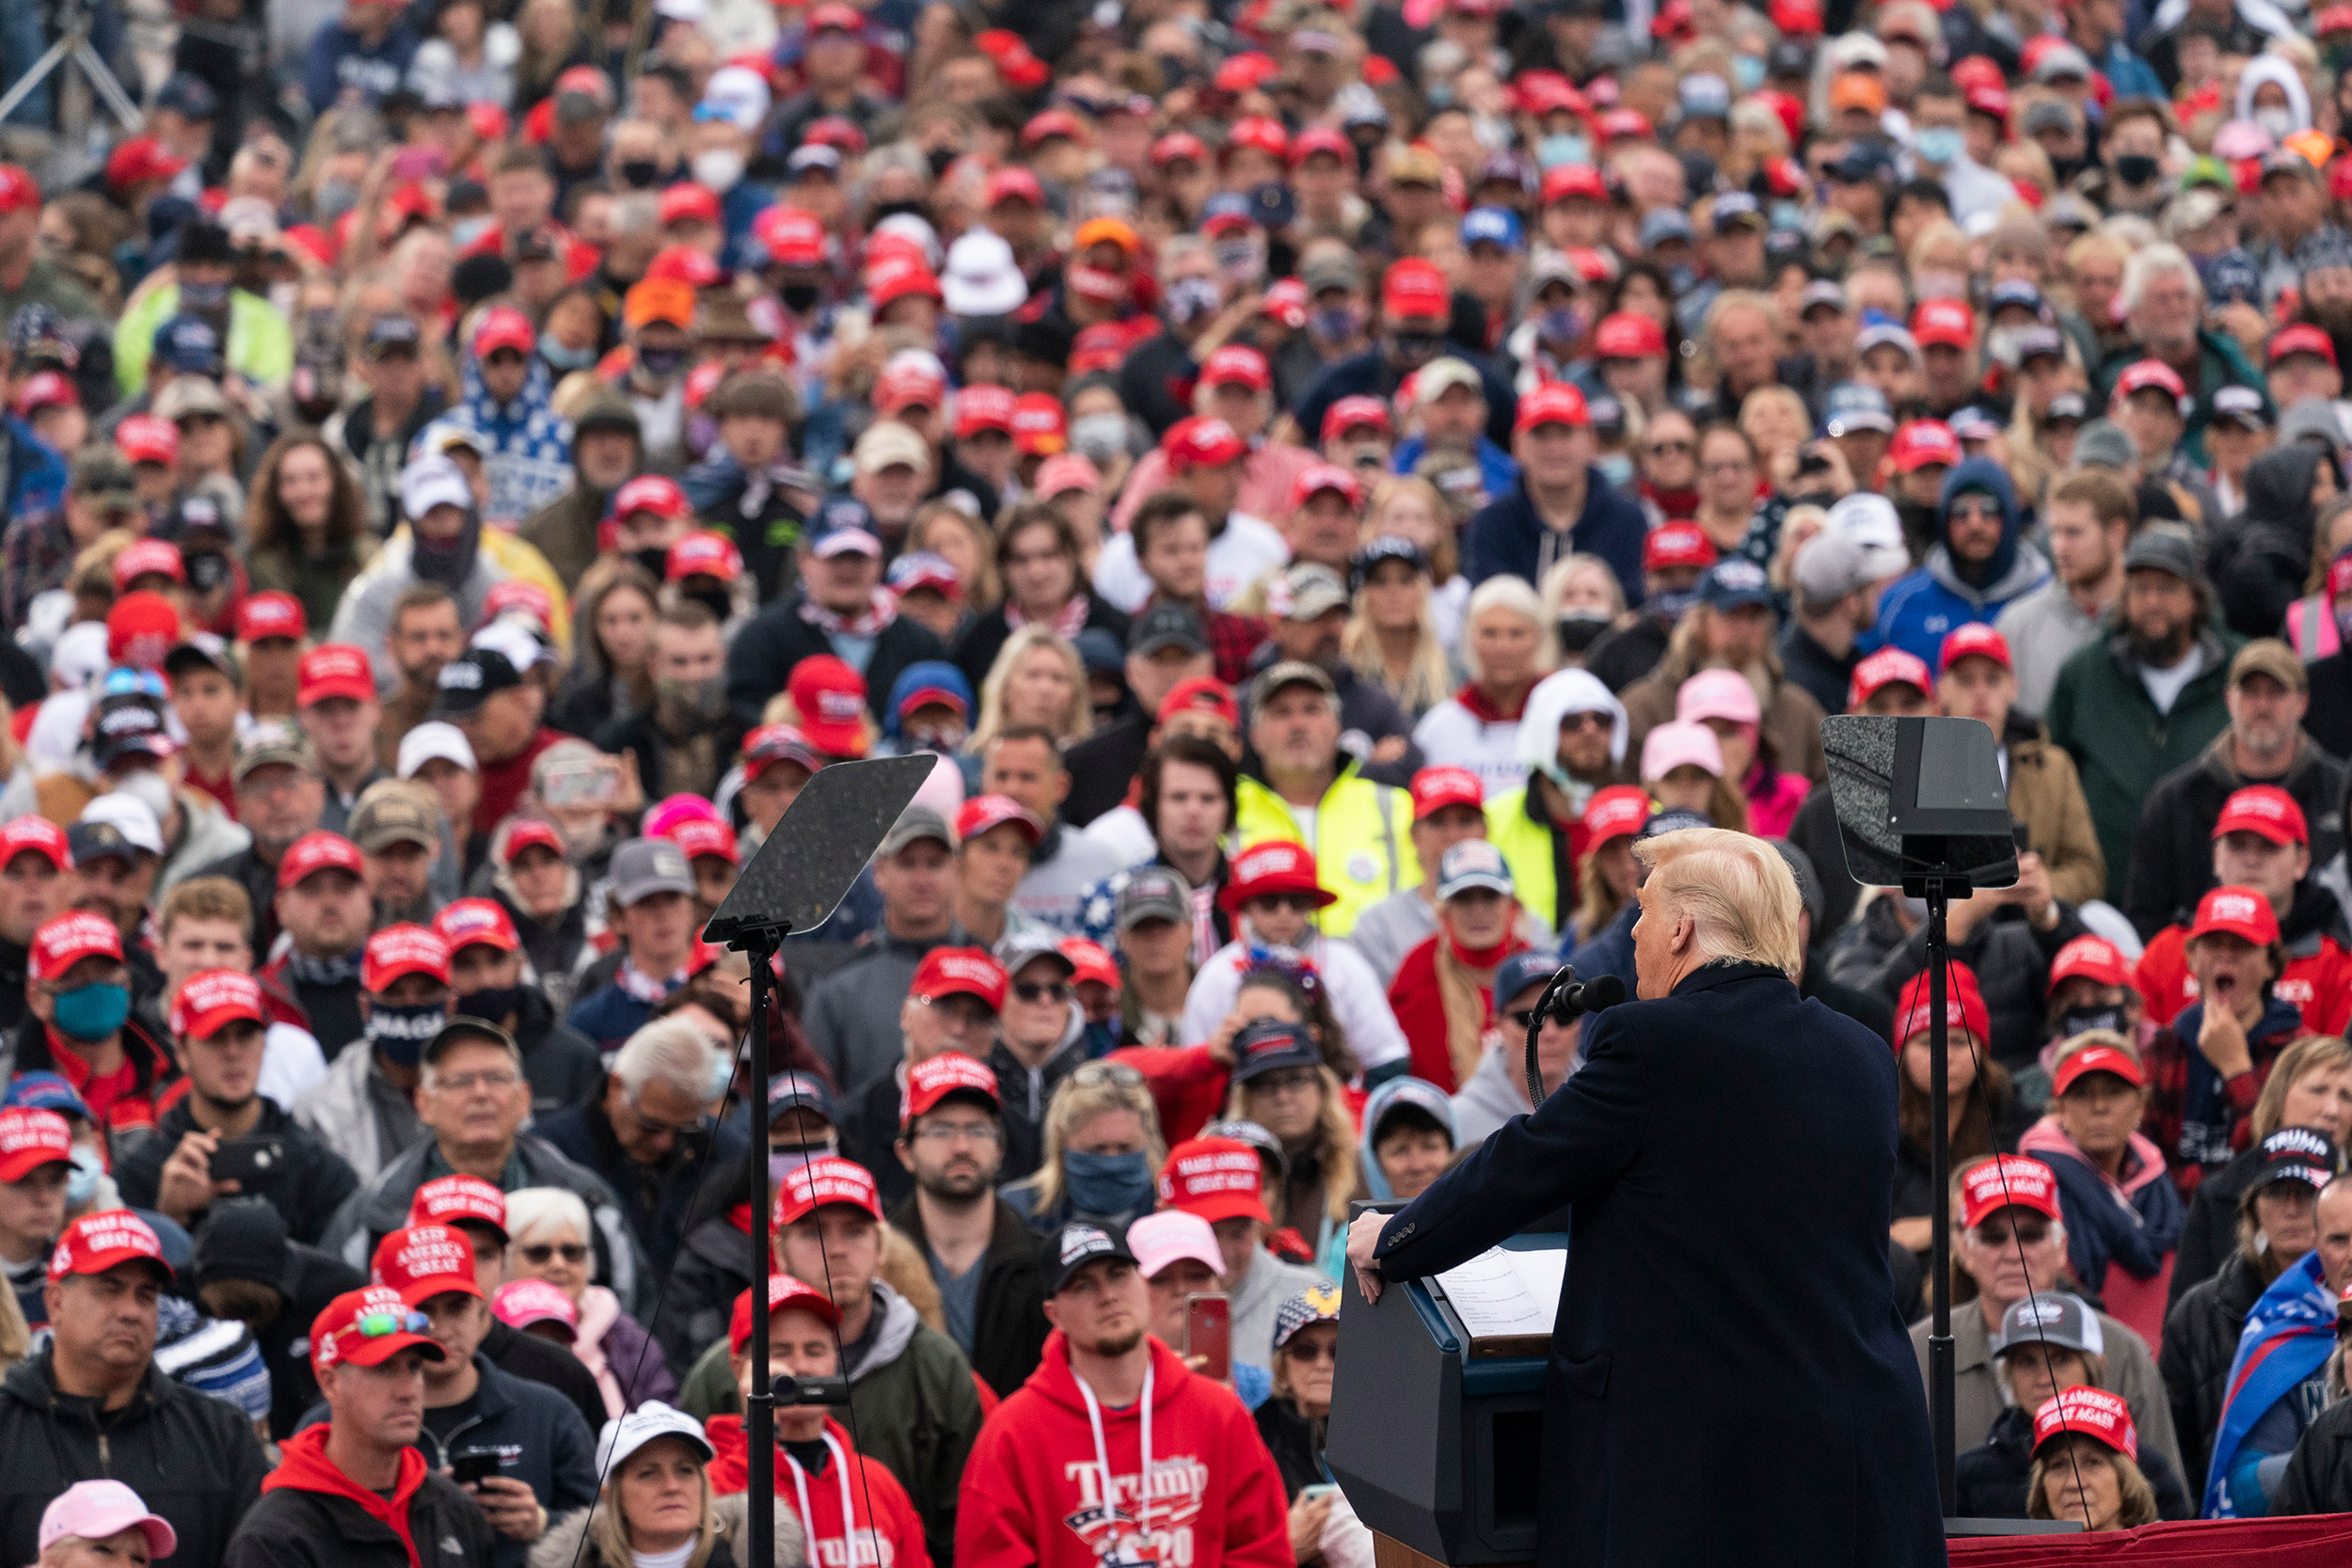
x=436, y=738
x=623, y=1436
x=129, y=816
x=736, y=94
x=79, y=656
x=431, y=481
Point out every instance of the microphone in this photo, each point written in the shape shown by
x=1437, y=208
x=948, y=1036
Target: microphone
x=1566, y=998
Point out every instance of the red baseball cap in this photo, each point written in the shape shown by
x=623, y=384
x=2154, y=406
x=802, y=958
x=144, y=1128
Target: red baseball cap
x=2150, y=375
x=1975, y=640
x=141, y=629
x=984, y=811
x=145, y=439
x=141, y=159
x=1016, y=184
x=1986, y=99
x=654, y=493
x=528, y=830
x=1201, y=692
x=698, y=836
x=2091, y=1412
x=793, y=238
x=1671, y=545
x=1944, y=321
x=1415, y=288
x=400, y=950
x=1237, y=364
x=67, y=939
x=334, y=669
x=149, y=556
x=826, y=1181
x=1885, y=668
x=959, y=972
x=830, y=698
x=96, y=1242
x=770, y=744
x=949, y=1073
x=367, y=1328
x=2096, y=1058
x=783, y=1291
x=894, y=278
x=44, y=389
x=1177, y=145
x=703, y=553
x=1964, y=1006
x=1217, y=1179
x=1202, y=440
x=448, y=1199
x=425, y=1262
x=1318, y=476
x=1321, y=139
x=1263, y=134
x=1629, y=335
x=1038, y=427
x=1553, y=403
x=1350, y=412
x=516, y=594
x=1277, y=865
x=687, y=202
x=477, y=922
x=273, y=614
x=212, y=999
x=984, y=407
x=319, y=851
x=1091, y=960
x=35, y=835
x=2302, y=337
x=2007, y=1180
x=2236, y=911
x=2264, y=809
x=18, y=193
x=908, y=384
x=1573, y=180
x=1923, y=442
x=1615, y=812
x=1435, y=788
x=30, y=1139
x=506, y=327
x=2093, y=958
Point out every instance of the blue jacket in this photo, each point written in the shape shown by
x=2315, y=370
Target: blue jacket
x=1668, y=1309
x=338, y=59
x=1611, y=949
x=1923, y=606
x=1510, y=536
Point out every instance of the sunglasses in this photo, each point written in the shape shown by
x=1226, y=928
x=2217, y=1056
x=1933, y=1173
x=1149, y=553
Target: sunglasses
x=1985, y=510
x=1298, y=903
x=1669, y=448
x=1106, y=1072
x=383, y=1325
x=1312, y=1349
x=1591, y=718
x=1523, y=1019
x=538, y=1253
x=1041, y=991
x=2024, y=1235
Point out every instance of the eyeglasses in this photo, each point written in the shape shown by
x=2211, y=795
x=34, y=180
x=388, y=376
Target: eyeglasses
x=1298, y=1080
x=1670, y=449
x=497, y=1080
x=1732, y=465
x=1107, y=1073
x=959, y=1132
x=383, y=1325
x=538, y=1253
x=1591, y=718
x=2002, y=1236
x=1297, y=903
x=1301, y=1348
x=652, y=1127
x=1041, y=991
x=958, y=1011
x=1989, y=511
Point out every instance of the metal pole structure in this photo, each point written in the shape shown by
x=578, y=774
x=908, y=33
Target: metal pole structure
x=759, y=1424
x=1940, y=1354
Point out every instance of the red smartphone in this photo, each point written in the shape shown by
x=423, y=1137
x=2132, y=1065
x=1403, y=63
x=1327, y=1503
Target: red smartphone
x=1209, y=1334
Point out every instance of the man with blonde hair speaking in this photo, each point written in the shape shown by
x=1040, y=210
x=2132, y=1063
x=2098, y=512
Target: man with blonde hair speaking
x=1730, y=1378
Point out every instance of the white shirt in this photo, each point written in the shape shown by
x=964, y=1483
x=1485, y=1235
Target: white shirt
x=292, y=1064
x=1358, y=998
x=1247, y=550
x=2166, y=686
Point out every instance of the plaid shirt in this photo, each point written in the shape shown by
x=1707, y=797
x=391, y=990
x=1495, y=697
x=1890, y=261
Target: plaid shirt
x=38, y=553
x=2191, y=1149
x=1234, y=640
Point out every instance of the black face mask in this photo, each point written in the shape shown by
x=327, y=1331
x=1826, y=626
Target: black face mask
x=891, y=209
x=207, y=570
x=641, y=174
x=801, y=298
x=656, y=562
x=2075, y=1019
x=1410, y=351
x=2135, y=169
x=1580, y=630
x=491, y=1003
x=940, y=158
x=661, y=362
x=715, y=600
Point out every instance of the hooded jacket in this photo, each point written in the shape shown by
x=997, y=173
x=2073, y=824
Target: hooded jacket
x=526, y=445
x=1921, y=609
x=313, y=1515
x=2172, y=852
x=364, y=618
x=880, y=1528
x=2280, y=74
x=1376, y=1106
x=1543, y=866
x=1508, y=535
x=33, y=1049
x=1033, y=1495
x=340, y=1109
x=191, y=1457
x=2122, y=1231
x=2260, y=559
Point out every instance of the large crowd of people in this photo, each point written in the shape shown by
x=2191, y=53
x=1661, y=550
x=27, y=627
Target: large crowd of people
x=1321, y=482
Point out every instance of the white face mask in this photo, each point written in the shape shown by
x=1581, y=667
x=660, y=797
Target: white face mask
x=146, y=787
x=718, y=169
x=2279, y=122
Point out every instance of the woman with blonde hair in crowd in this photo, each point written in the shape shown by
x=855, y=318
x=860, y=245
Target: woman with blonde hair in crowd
x=1281, y=1082
x=103, y=1523
x=1409, y=507
x=1392, y=639
x=1682, y=769
x=2086, y=1463
x=657, y=1503
x=966, y=542
x=1582, y=601
x=1101, y=1153
x=2310, y=1086
x=1775, y=423
x=1507, y=645
x=1039, y=680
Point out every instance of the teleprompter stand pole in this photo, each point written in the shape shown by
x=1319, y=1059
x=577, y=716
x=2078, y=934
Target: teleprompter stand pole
x=759, y=1416
x=1941, y=1361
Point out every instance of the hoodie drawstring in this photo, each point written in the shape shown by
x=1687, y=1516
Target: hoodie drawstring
x=1102, y=1452
x=849, y=1517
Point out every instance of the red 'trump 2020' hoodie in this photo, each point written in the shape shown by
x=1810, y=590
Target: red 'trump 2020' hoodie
x=898, y=1540
x=1034, y=1494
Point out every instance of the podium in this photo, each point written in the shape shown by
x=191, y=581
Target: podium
x=1436, y=1405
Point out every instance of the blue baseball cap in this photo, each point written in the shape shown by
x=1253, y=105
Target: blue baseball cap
x=2016, y=292
x=1666, y=224
x=1735, y=584
x=44, y=1091
x=1855, y=407
x=1736, y=210
x=798, y=1091
x=1520, y=970
x=1672, y=821
x=188, y=344
x=1705, y=95
x=1229, y=204
x=189, y=95
x=1495, y=226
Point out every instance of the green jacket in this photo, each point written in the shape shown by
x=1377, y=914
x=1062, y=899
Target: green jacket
x=2101, y=713
x=914, y=1405
x=260, y=347
x=2220, y=363
x=47, y=283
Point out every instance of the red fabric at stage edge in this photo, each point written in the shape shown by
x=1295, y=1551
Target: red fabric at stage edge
x=2312, y=1540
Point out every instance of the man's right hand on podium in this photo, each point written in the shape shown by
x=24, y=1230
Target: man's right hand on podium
x=1363, y=1240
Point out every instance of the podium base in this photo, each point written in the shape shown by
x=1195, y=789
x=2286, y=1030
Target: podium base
x=1957, y=1529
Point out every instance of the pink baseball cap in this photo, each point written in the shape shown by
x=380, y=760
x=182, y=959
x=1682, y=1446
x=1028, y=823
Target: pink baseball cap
x=521, y=1302
x=1682, y=741
x=1718, y=694
x=95, y=1509
x=1159, y=1240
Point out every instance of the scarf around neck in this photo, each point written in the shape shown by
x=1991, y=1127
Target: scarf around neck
x=879, y=612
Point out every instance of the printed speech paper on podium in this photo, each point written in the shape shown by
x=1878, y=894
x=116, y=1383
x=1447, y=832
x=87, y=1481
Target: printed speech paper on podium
x=1505, y=1293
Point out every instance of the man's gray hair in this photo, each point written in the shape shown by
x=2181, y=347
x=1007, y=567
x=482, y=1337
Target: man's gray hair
x=2151, y=262
x=670, y=1050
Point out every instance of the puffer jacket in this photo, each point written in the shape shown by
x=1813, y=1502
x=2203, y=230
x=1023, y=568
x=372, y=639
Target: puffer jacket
x=2318, y=1477
x=190, y=1457
x=2201, y=1335
x=1922, y=610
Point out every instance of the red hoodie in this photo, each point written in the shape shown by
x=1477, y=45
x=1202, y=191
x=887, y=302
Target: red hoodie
x=817, y=1499
x=307, y=1469
x=1033, y=1491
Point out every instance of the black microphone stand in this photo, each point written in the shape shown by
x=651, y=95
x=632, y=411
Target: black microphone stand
x=1941, y=1361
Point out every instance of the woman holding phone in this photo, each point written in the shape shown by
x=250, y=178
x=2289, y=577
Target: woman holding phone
x=1293, y=1421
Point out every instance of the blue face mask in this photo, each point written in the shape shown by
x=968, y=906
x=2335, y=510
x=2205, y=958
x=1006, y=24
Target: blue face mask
x=1334, y=326
x=1939, y=145
x=92, y=1013
x=1108, y=1184
x=1749, y=70
x=1616, y=467
x=563, y=358
x=782, y=1163
x=1563, y=147
x=465, y=231
x=1674, y=604
x=401, y=1032
x=81, y=1183
x=1788, y=215
x=1563, y=325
